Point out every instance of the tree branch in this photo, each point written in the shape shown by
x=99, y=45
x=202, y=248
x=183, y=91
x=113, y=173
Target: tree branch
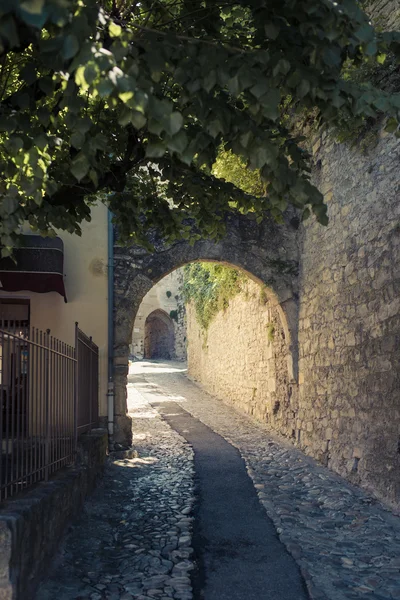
x=185, y=38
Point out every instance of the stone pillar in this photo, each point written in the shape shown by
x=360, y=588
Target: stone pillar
x=122, y=421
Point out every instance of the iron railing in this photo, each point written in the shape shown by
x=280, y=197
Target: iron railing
x=41, y=396
x=87, y=381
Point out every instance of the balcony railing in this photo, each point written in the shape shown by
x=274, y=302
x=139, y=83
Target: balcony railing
x=47, y=388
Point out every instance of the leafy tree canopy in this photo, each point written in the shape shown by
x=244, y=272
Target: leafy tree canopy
x=131, y=100
x=232, y=168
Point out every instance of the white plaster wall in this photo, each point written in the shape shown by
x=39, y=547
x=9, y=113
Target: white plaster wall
x=86, y=277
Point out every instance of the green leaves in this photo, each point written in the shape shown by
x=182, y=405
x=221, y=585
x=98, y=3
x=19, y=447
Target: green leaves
x=271, y=30
x=70, y=46
x=365, y=33
x=155, y=150
x=392, y=125
x=33, y=7
x=210, y=287
x=8, y=125
x=80, y=166
x=114, y=29
x=77, y=140
x=175, y=123
x=260, y=89
x=94, y=95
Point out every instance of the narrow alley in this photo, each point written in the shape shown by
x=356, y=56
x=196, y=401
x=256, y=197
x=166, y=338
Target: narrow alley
x=182, y=519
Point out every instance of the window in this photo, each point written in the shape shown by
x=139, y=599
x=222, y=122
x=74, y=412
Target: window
x=14, y=316
x=14, y=313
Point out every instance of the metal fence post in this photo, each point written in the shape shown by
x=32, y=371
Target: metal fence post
x=90, y=383
x=46, y=390
x=46, y=401
x=76, y=386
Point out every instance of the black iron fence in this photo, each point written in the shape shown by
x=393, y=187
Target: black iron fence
x=87, y=380
x=42, y=395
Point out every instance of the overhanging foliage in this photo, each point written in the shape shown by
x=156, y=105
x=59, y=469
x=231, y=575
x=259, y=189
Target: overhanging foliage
x=130, y=101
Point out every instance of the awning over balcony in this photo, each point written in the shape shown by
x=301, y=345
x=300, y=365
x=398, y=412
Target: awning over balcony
x=39, y=267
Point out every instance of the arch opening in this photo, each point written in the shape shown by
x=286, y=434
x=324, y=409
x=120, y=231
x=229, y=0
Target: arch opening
x=266, y=252
x=159, y=336
x=287, y=311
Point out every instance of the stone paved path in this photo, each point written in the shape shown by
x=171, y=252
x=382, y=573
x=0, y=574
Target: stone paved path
x=346, y=543
x=133, y=538
x=236, y=546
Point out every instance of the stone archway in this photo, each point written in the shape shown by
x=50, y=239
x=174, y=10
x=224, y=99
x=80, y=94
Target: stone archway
x=159, y=336
x=267, y=252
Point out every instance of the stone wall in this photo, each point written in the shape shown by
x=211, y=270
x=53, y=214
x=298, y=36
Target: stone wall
x=268, y=251
x=384, y=13
x=349, y=325
x=346, y=411
x=165, y=296
x=349, y=320
x=242, y=358
x=180, y=321
x=32, y=525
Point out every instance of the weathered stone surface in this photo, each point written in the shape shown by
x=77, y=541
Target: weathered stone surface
x=349, y=320
x=165, y=296
x=267, y=251
x=243, y=358
x=346, y=543
x=124, y=544
x=349, y=316
x=384, y=13
x=31, y=525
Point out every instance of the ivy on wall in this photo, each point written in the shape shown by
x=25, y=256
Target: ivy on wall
x=210, y=287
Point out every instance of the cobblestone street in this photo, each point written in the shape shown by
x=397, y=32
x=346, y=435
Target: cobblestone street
x=133, y=539
x=346, y=543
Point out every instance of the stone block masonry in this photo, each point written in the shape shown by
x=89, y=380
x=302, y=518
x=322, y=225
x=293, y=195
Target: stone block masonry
x=349, y=319
x=165, y=297
x=345, y=410
x=268, y=251
x=349, y=310
x=32, y=525
x=349, y=307
x=242, y=358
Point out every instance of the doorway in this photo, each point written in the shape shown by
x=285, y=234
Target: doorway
x=159, y=336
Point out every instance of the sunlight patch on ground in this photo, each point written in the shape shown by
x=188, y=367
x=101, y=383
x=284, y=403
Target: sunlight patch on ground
x=143, y=367
x=142, y=415
x=170, y=398
x=140, y=436
x=141, y=393
x=135, y=463
x=146, y=460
